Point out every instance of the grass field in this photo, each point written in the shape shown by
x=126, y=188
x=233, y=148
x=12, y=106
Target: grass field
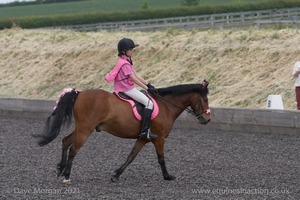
x=93, y=6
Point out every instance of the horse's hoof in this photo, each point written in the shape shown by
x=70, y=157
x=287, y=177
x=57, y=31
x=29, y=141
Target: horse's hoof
x=67, y=181
x=169, y=178
x=114, y=179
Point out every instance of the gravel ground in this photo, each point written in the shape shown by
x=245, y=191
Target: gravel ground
x=207, y=164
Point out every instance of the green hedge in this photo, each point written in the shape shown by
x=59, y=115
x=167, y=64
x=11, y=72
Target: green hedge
x=77, y=19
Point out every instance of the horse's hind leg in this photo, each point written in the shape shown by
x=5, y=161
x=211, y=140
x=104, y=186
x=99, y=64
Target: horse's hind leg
x=66, y=143
x=79, y=137
x=159, y=146
x=139, y=144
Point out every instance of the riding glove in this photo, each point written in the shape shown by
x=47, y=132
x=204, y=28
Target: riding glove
x=151, y=89
x=150, y=86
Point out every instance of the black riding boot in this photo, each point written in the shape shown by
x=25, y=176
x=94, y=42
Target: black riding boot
x=146, y=120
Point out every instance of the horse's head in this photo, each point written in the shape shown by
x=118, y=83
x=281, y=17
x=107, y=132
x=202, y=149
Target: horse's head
x=200, y=104
x=197, y=99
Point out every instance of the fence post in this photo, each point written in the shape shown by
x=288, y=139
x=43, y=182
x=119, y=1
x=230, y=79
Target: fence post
x=212, y=20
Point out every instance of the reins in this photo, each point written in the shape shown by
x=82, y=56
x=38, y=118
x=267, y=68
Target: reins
x=186, y=109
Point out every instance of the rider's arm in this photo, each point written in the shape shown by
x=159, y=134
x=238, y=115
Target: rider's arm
x=140, y=78
x=138, y=81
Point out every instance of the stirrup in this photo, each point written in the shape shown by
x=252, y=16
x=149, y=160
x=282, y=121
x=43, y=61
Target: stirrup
x=148, y=134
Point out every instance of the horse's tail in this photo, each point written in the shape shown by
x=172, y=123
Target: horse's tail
x=61, y=115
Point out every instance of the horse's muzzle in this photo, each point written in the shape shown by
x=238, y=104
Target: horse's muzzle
x=203, y=118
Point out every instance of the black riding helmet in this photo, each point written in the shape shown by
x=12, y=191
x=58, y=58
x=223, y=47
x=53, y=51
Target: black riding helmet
x=126, y=44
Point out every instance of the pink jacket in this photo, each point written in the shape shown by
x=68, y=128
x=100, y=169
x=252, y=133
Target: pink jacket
x=110, y=77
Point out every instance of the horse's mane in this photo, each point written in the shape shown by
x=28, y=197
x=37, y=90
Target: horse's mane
x=183, y=89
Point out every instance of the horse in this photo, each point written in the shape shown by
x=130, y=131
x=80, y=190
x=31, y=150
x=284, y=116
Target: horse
x=100, y=110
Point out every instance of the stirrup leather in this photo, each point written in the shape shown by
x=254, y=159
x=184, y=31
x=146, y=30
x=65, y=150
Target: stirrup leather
x=148, y=134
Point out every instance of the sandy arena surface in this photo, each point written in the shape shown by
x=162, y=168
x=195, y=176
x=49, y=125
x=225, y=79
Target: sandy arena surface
x=207, y=164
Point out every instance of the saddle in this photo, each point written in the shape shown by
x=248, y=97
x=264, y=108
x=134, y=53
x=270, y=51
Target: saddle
x=137, y=108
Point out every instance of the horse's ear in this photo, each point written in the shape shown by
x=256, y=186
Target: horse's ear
x=204, y=83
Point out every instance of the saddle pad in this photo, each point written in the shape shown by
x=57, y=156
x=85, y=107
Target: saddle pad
x=137, y=108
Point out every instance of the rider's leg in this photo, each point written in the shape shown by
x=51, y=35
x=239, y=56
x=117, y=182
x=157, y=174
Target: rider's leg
x=146, y=117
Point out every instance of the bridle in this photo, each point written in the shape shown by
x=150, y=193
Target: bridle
x=198, y=116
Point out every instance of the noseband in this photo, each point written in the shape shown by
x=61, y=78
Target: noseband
x=200, y=115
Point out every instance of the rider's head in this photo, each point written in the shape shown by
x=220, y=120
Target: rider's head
x=124, y=45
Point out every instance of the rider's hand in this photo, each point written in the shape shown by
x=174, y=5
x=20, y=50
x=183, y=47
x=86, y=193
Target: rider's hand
x=150, y=86
x=151, y=89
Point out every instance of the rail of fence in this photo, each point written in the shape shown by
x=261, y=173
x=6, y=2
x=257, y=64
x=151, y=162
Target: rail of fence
x=288, y=16
x=225, y=119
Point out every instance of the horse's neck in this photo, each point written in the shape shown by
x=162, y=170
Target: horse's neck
x=177, y=103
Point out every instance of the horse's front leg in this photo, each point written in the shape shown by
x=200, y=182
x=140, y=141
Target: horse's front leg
x=139, y=144
x=159, y=146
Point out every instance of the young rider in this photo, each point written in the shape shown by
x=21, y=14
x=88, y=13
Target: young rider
x=125, y=78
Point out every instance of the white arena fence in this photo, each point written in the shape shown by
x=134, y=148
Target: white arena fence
x=260, y=18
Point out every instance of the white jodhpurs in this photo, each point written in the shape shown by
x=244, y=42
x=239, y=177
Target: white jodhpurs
x=140, y=97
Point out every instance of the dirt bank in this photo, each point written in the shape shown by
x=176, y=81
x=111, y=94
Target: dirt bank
x=242, y=66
